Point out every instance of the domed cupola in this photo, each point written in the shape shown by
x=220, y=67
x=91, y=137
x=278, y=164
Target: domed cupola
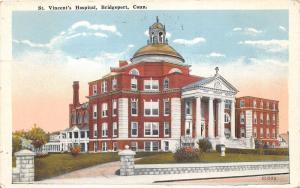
x=157, y=48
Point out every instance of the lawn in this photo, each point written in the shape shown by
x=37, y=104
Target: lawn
x=57, y=164
x=212, y=157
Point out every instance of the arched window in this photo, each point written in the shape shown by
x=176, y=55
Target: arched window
x=166, y=83
x=134, y=72
x=226, y=118
x=175, y=70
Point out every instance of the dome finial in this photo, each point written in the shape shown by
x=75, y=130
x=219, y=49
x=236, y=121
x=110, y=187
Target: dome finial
x=157, y=20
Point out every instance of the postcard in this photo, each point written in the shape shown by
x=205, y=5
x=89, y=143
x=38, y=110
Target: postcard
x=147, y=93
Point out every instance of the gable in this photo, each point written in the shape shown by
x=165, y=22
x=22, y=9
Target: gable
x=219, y=84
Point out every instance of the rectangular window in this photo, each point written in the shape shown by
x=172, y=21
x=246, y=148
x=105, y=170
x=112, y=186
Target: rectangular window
x=104, y=86
x=95, y=89
x=166, y=145
x=166, y=83
x=70, y=134
x=167, y=129
x=115, y=129
x=151, y=145
x=104, y=146
x=134, y=146
x=95, y=131
x=255, y=118
x=188, y=128
x=104, y=130
x=254, y=133
x=114, y=84
x=134, y=84
x=227, y=104
x=273, y=133
x=155, y=146
x=115, y=146
x=254, y=103
x=268, y=133
x=166, y=107
x=242, y=133
x=94, y=111
x=104, y=110
x=151, y=108
x=242, y=103
x=242, y=118
x=151, y=85
x=134, y=107
x=261, y=118
x=151, y=129
x=147, y=146
x=188, y=108
x=115, y=108
x=261, y=132
x=134, y=129
x=82, y=134
x=75, y=134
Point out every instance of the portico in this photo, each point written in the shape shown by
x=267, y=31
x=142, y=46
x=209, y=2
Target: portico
x=209, y=96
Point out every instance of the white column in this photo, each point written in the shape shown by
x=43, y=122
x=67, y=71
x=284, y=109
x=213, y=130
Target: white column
x=222, y=128
x=198, y=117
x=219, y=118
x=232, y=119
x=211, y=119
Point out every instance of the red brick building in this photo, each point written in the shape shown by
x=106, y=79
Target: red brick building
x=153, y=103
x=259, y=118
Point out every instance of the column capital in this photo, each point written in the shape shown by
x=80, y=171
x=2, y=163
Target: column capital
x=198, y=96
x=211, y=98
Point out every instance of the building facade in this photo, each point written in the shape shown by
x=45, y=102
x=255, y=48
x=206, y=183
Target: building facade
x=258, y=118
x=153, y=103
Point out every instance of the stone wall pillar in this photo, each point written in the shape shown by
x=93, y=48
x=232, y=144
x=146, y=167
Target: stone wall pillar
x=127, y=162
x=24, y=166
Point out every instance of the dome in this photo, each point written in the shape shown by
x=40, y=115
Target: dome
x=157, y=49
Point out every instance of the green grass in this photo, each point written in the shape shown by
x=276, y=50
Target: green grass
x=212, y=157
x=57, y=164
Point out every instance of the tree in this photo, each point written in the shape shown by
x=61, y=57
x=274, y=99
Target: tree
x=38, y=136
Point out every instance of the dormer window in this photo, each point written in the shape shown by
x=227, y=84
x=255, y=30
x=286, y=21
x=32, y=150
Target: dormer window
x=134, y=72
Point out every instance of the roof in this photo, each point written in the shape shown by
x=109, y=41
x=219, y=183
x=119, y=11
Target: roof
x=84, y=128
x=285, y=137
x=157, y=49
x=204, y=81
x=257, y=98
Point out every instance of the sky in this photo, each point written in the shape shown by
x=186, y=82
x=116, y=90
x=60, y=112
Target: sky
x=53, y=49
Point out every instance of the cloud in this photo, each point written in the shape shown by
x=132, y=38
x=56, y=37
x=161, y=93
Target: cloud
x=168, y=35
x=216, y=54
x=247, y=30
x=268, y=45
x=191, y=42
x=282, y=28
x=95, y=27
x=78, y=29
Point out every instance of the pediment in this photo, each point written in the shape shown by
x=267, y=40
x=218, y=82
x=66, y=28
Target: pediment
x=216, y=82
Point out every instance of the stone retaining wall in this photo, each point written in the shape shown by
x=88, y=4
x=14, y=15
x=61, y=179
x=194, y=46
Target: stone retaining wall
x=243, y=167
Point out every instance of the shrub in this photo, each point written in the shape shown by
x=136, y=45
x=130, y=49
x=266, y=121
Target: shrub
x=75, y=150
x=260, y=151
x=187, y=154
x=41, y=155
x=204, y=145
x=218, y=147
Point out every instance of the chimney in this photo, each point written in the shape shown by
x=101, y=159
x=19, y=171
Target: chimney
x=122, y=63
x=75, y=93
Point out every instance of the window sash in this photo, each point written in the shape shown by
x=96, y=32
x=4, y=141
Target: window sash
x=134, y=129
x=133, y=84
x=94, y=111
x=115, y=129
x=134, y=108
x=166, y=107
x=167, y=129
